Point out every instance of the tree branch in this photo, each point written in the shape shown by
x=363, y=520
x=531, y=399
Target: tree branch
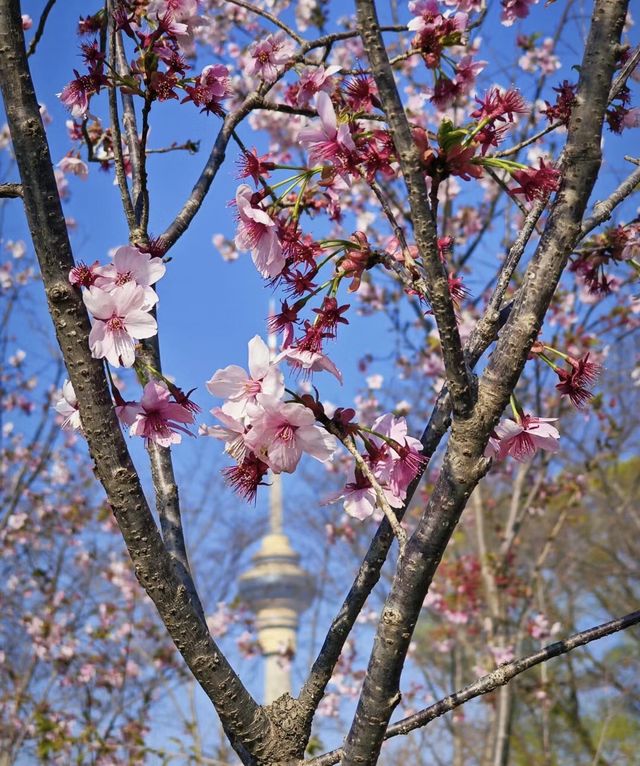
x=10, y=190
x=464, y=464
x=423, y=224
x=240, y=714
x=40, y=28
x=602, y=211
x=494, y=680
x=270, y=17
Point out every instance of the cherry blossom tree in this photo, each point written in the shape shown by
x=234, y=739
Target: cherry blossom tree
x=393, y=166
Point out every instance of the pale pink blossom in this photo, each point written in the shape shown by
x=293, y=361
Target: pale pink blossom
x=75, y=166
x=239, y=388
x=119, y=320
x=67, y=406
x=540, y=629
x=309, y=361
x=522, y=439
x=158, y=418
x=232, y=432
x=542, y=58
x=502, y=654
x=257, y=232
x=466, y=72
x=281, y=432
x=360, y=500
x=328, y=140
x=180, y=9
x=27, y=22
x=132, y=266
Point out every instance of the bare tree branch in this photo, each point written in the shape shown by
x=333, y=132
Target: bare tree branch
x=270, y=17
x=242, y=718
x=494, y=680
x=40, y=28
x=421, y=213
x=10, y=190
x=602, y=211
x=464, y=464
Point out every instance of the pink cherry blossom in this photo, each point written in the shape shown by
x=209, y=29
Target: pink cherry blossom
x=269, y=55
x=158, y=418
x=67, y=406
x=232, y=432
x=257, y=232
x=131, y=265
x=512, y=10
x=210, y=89
x=239, y=389
x=360, y=501
x=328, y=140
x=281, y=432
x=521, y=440
x=75, y=166
x=396, y=467
x=313, y=80
x=180, y=9
x=309, y=361
x=120, y=319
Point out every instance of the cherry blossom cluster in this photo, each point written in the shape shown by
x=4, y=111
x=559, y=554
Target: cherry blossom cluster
x=261, y=431
x=120, y=298
x=615, y=244
x=159, y=33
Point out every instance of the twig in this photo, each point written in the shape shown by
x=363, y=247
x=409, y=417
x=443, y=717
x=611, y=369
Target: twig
x=270, y=17
x=188, y=146
x=40, y=28
x=10, y=190
x=129, y=121
x=118, y=158
x=623, y=75
x=602, y=211
x=523, y=144
x=423, y=224
x=495, y=679
x=142, y=203
x=388, y=511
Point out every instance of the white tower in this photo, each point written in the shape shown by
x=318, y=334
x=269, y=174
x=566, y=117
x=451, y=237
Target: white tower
x=277, y=590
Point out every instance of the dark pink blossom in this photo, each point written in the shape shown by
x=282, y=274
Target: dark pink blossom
x=82, y=275
x=536, y=183
x=210, y=89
